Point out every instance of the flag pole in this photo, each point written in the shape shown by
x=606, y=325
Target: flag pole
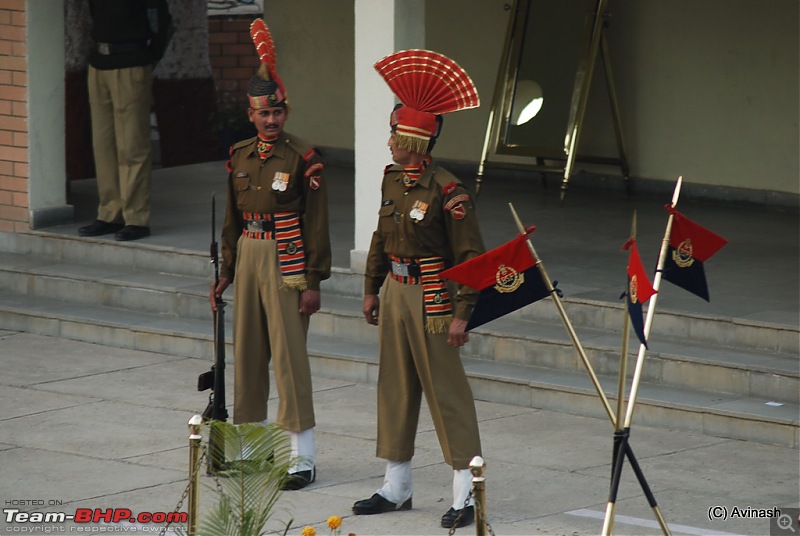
x=651, y=308
x=619, y=452
x=565, y=319
x=621, y=443
x=624, y=359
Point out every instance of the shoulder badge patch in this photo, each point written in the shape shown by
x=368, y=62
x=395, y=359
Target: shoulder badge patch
x=313, y=168
x=450, y=188
x=455, y=206
x=312, y=174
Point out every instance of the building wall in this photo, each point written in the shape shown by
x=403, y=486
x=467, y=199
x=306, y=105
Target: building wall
x=707, y=90
x=233, y=58
x=314, y=44
x=13, y=117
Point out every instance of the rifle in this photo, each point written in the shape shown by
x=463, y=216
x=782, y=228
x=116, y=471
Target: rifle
x=214, y=379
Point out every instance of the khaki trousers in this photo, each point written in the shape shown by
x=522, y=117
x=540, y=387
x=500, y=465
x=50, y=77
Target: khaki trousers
x=268, y=327
x=120, y=107
x=412, y=363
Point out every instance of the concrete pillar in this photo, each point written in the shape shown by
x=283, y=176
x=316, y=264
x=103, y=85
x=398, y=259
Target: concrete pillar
x=381, y=27
x=46, y=148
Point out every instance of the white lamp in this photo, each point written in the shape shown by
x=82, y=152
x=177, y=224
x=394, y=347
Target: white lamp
x=528, y=100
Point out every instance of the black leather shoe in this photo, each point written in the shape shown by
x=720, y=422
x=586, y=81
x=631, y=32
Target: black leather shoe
x=458, y=518
x=378, y=505
x=99, y=227
x=299, y=480
x=132, y=232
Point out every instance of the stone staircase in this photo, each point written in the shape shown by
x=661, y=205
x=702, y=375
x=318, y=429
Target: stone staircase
x=718, y=376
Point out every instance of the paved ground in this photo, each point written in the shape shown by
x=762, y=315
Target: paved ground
x=89, y=426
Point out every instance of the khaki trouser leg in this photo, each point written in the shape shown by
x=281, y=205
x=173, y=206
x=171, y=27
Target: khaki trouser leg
x=120, y=104
x=104, y=145
x=412, y=359
x=269, y=326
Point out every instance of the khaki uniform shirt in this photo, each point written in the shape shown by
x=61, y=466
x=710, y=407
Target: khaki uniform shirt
x=448, y=229
x=250, y=190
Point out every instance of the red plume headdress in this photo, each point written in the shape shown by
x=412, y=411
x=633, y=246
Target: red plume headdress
x=427, y=84
x=265, y=89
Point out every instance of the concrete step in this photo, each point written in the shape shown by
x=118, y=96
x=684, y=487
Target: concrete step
x=131, y=258
x=679, y=363
x=572, y=392
x=355, y=359
x=531, y=337
x=155, y=298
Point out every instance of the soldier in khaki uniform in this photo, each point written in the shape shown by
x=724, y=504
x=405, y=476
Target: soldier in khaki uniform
x=427, y=223
x=276, y=245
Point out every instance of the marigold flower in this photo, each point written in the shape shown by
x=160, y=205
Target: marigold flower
x=334, y=522
x=309, y=531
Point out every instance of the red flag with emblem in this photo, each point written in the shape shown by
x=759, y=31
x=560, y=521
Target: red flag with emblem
x=690, y=246
x=639, y=289
x=507, y=278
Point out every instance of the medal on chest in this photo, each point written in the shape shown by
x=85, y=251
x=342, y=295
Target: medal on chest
x=280, y=182
x=418, y=211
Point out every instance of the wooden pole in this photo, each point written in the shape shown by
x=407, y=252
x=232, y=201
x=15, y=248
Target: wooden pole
x=608, y=521
x=478, y=467
x=195, y=439
x=567, y=324
x=651, y=309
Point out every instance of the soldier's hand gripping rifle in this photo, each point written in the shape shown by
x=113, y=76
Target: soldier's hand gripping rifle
x=214, y=379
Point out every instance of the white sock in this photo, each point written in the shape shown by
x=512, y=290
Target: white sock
x=303, y=448
x=397, y=486
x=462, y=485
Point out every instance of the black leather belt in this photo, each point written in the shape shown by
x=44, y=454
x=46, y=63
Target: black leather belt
x=260, y=226
x=109, y=49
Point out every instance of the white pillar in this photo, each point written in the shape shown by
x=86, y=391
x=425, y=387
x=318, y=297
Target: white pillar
x=381, y=27
x=47, y=173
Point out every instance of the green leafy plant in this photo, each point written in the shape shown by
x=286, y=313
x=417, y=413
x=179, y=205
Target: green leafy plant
x=249, y=483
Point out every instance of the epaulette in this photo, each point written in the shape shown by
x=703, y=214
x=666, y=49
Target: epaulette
x=446, y=180
x=392, y=167
x=301, y=147
x=240, y=144
x=235, y=147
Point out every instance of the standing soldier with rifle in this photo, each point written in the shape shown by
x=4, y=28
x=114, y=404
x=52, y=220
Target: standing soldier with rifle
x=275, y=242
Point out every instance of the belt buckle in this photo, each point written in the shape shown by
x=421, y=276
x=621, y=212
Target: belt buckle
x=255, y=226
x=399, y=268
x=104, y=49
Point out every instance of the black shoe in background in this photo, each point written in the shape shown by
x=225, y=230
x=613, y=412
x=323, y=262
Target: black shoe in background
x=132, y=232
x=100, y=227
